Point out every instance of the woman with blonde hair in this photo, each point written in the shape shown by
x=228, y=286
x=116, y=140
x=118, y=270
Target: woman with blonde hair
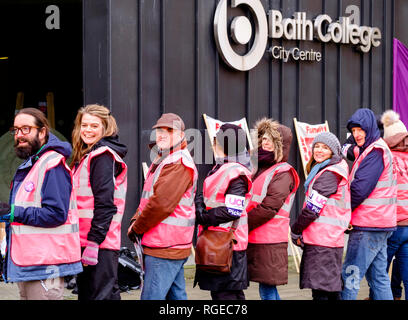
x=100, y=182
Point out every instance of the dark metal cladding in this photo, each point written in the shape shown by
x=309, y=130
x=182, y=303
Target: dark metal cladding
x=143, y=58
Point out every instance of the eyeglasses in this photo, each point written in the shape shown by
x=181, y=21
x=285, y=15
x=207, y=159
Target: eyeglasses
x=24, y=130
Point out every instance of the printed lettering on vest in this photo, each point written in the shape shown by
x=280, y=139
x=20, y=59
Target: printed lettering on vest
x=334, y=216
x=214, y=192
x=235, y=204
x=316, y=201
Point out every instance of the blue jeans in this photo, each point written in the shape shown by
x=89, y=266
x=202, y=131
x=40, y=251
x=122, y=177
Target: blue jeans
x=396, y=287
x=366, y=256
x=268, y=292
x=398, y=247
x=164, y=279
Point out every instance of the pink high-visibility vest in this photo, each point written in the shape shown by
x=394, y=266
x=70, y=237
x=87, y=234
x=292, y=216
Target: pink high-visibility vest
x=328, y=229
x=401, y=165
x=379, y=210
x=176, y=231
x=32, y=246
x=275, y=230
x=214, y=188
x=85, y=199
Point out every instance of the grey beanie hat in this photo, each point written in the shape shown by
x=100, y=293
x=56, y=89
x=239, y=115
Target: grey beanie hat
x=330, y=140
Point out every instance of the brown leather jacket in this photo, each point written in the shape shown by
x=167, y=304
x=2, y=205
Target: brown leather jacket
x=178, y=179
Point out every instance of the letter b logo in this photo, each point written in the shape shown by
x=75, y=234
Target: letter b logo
x=241, y=33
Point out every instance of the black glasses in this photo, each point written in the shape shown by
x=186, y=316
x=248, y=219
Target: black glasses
x=24, y=130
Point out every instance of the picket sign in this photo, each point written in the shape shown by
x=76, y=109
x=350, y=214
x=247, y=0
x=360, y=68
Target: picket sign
x=145, y=169
x=305, y=134
x=213, y=125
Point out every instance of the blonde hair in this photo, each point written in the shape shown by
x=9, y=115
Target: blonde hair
x=109, y=128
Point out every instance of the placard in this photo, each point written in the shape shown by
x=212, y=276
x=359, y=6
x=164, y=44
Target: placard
x=213, y=125
x=305, y=133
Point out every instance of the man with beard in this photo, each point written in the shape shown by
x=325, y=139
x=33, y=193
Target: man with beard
x=41, y=220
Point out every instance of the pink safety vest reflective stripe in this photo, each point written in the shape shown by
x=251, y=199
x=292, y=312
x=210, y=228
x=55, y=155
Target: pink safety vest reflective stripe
x=214, y=188
x=379, y=210
x=85, y=199
x=401, y=166
x=176, y=231
x=356, y=152
x=328, y=229
x=275, y=230
x=32, y=246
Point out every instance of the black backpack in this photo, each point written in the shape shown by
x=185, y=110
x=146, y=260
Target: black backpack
x=130, y=274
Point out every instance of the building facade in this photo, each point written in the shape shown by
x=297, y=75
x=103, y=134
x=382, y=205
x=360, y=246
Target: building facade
x=143, y=58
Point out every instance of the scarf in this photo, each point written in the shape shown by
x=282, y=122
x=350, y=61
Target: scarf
x=316, y=168
x=266, y=158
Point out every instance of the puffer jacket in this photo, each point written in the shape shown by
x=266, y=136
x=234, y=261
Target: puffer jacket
x=268, y=263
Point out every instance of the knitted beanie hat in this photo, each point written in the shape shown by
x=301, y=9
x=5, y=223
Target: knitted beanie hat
x=392, y=123
x=232, y=139
x=330, y=140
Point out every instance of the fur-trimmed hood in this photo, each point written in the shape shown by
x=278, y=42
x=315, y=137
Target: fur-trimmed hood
x=286, y=134
x=270, y=128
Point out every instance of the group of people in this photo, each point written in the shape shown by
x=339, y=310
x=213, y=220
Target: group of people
x=367, y=203
x=252, y=196
x=65, y=220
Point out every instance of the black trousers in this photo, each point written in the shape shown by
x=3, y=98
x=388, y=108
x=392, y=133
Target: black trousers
x=100, y=282
x=325, y=295
x=228, y=295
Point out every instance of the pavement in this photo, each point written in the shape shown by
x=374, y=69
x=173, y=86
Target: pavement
x=289, y=291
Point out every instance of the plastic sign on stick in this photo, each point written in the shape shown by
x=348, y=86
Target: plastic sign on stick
x=213, y=125
x=305, y=134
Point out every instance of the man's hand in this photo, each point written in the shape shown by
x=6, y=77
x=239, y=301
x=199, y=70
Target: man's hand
x=133, y=236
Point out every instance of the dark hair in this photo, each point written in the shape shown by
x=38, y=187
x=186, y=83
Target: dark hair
x=40, y=121
x=232, y=139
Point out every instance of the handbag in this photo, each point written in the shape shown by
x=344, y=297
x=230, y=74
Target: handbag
x=214, y=250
